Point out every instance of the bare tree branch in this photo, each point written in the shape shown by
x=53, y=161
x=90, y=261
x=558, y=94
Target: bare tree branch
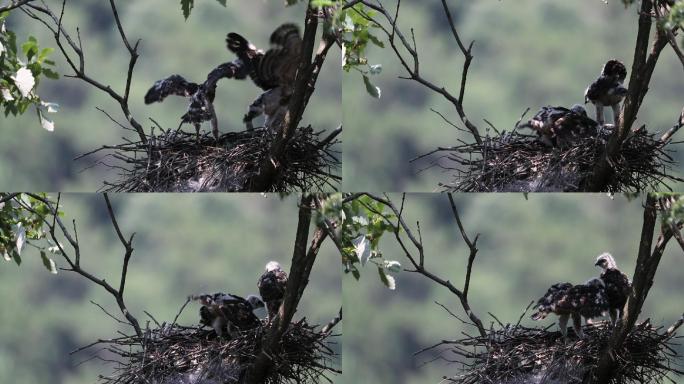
x=419, y=261
x=335, y=320
x=76, y=58
x=74, y=261
x=412, y=64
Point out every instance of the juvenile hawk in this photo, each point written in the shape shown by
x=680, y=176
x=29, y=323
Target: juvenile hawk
x=556, y=126
x=272, y=285
x=201, y=107
x=273, y=71
x=231, y=313
x=618, y=286
x=607, y=90
x=586, y=300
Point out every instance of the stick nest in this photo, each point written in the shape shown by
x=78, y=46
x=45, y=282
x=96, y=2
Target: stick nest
x=515, y=162
x=174, y=354
x=517, y=354
x=176, y=161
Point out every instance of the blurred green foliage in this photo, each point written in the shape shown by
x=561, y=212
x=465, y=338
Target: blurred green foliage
x=184, y=245
x=22, y=224
x=525, y=245
x=34, y=159
x=21, y=75
x=527, y=53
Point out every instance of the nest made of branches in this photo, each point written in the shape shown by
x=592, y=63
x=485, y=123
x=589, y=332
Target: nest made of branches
x=178, y=161
x=515, y=354
x=174, y=354
x=516, y=162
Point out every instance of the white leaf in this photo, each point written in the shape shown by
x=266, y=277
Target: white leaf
x=2, y=28
x=6, y=256
x=360, y=220
x=362, y=247
x=391, y=283
x=51, y=107
x=2, y=48
x=47, y=124
x=54, y=249
x=6, y=94
x=48, y=263
x=393, y=266
x=21, y=238
x=24, y=81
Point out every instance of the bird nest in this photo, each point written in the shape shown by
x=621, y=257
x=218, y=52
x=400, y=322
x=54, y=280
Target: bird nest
x=517, y=354
x=516, y=162
x=178, y=161
x=174, y=354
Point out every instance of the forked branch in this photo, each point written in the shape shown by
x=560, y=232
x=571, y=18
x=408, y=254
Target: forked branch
x=418, y=260
x=72, y=50
x=399, y=41
x=56, y=228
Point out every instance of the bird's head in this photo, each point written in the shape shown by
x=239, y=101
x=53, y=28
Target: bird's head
x=273, y=266
x=615, y=70
x=606, y=261
x=203, y=299
x=255, y=302
x=595, y=282
x=579, y=109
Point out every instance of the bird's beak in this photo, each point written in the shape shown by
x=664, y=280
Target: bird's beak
x=598, y=263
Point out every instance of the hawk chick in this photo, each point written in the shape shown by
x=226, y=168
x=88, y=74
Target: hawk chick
x=231, y=313
x=586, y=300
x=273, y=71
x=607, y=90
x=618, y=286
x=272, y=284
x=556, y=126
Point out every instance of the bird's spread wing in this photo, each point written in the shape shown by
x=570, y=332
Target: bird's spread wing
x=172, y=85
x=546, y=303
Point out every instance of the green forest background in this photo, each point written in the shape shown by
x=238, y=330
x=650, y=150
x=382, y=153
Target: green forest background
x=528, y=53
x=184, y=245
x=34, y=159
x=524, y=247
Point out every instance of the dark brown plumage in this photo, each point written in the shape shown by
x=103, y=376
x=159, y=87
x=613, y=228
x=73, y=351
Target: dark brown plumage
x=586, y=300
x=556, y=126
x=618, y=286
x=272, y=285
x=228, y=313
x=607, y=90
x=273, y=71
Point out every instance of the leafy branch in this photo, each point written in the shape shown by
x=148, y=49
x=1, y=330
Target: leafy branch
x=415, y=252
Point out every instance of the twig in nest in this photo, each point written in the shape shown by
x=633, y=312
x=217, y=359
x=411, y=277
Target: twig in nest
x=516, y=162
x=174, y=161
x=174, y=354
